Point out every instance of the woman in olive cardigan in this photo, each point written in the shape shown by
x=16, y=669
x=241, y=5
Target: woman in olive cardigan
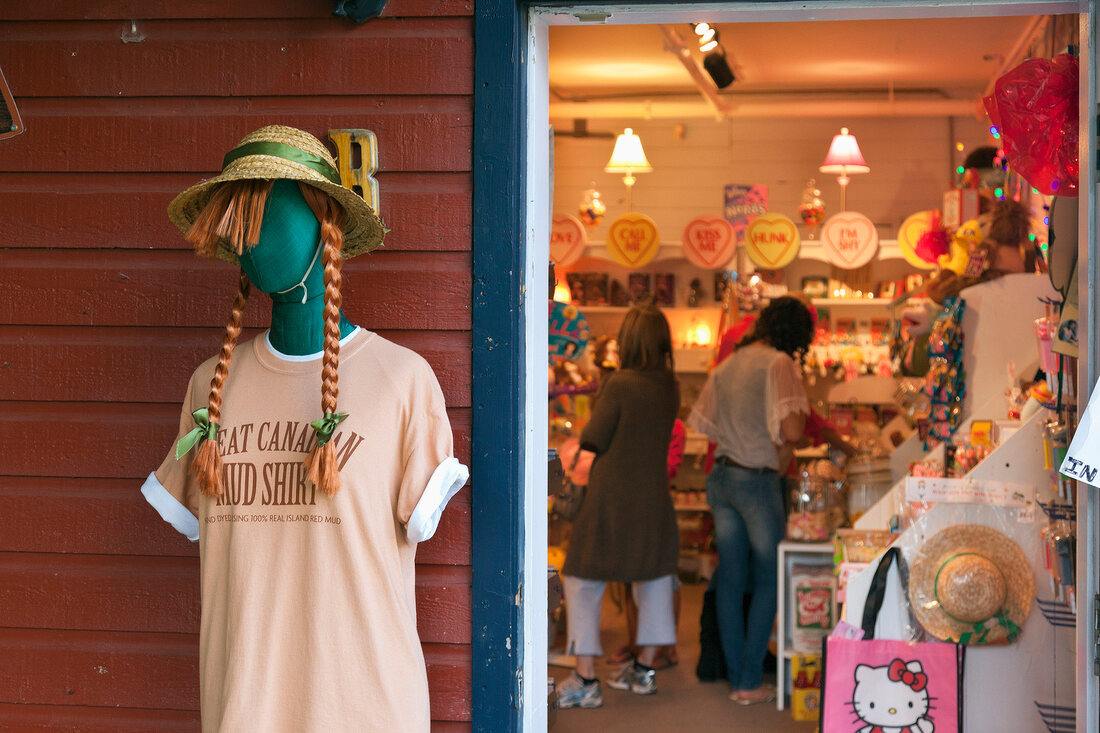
x=626, y=529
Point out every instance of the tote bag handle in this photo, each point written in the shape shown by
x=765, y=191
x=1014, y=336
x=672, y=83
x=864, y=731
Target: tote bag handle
x=877, y=592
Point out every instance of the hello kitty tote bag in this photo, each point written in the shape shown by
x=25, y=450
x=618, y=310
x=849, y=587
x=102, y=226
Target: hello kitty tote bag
x=890, y=686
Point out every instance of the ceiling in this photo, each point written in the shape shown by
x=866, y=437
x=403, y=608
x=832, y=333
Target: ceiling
x=915, y=66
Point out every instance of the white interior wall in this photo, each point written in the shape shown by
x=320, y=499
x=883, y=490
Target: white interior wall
x=911, y=160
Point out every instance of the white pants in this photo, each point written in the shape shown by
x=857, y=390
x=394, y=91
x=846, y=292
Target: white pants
x=584, y=600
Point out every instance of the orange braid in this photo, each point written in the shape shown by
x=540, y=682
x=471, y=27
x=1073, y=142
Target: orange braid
x=208, y=462
x=321, y=463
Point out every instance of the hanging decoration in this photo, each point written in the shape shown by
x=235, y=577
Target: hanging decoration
x=708, y=242
x=772, y=241
x=568, y=239
x=591, y=208
x=812, y=207
x=1034, y=110
x=850, y=240
x=909, y=234
x=633, y=240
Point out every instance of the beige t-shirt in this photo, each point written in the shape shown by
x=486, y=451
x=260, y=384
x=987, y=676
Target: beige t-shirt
x=308, y=603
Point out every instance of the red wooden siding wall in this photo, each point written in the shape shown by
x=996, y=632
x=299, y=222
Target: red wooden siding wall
x=104, y=312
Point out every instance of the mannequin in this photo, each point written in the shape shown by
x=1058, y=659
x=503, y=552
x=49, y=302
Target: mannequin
x=307, y=527
x=286, y=264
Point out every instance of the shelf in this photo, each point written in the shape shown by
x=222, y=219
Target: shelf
x=809, y=249
x=693, y=508
x=586, y=309
x=863, y=302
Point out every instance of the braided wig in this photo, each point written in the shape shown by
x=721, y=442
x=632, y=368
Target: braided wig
x=234, y=214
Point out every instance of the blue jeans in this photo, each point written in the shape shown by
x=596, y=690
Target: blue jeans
x=749, y=523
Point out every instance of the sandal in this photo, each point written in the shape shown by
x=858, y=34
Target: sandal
x=623, y=655
x=764, y=693
x=665, y=660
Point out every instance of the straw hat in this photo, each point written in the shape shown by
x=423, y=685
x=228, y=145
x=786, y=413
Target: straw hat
x=284, y=152
x=971, y=584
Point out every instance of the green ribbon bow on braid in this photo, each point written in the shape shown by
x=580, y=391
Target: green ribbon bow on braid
x=203, y=430
x=326, y=426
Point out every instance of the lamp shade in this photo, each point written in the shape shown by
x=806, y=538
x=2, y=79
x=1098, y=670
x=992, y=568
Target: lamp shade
x=628, y=156
x=844, y=157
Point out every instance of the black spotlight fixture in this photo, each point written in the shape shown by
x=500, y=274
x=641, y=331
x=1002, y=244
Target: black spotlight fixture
x=719, y=69
x=714, y=55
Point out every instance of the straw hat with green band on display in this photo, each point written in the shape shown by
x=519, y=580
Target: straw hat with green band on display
x=972, y=585
x=279, y=152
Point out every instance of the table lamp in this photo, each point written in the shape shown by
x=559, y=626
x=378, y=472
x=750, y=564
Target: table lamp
x=844, y=159
x=629, y=158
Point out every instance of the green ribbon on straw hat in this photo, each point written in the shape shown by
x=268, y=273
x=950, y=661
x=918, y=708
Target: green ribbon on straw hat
x=326, y=426
x=203, y=430
x=286, y=152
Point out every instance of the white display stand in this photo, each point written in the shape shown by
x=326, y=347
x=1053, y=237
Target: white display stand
x=790, y=554
x=998, y=330
x=1024, y=685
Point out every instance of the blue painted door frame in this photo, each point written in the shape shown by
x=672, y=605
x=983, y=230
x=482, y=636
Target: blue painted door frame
x=499, y=348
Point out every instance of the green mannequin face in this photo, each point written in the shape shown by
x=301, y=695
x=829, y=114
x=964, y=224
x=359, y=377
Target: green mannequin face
x=288, y=248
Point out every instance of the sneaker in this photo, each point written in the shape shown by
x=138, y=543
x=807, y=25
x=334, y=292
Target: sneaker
x=638, y=680
x=573, y=693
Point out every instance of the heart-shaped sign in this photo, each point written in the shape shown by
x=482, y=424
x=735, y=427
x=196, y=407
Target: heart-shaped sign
x=709, y=242
x=568, y=239
x=850, y=240
x=909, y=233
x=772, y=241
x=633, y=240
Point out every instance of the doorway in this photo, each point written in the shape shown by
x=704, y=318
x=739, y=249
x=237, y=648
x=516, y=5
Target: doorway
x=534, y=38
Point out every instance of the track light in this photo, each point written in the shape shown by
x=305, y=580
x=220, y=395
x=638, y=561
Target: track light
x=719, y=69
x=714, y=56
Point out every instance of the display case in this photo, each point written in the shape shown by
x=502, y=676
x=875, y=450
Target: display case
x=791, y=554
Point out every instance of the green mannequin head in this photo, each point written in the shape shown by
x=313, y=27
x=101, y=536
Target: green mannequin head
x=286, y=260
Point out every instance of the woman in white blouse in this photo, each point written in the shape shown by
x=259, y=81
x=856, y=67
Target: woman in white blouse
x=754, y=408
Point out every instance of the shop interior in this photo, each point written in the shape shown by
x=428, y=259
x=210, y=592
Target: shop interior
x=951, y=408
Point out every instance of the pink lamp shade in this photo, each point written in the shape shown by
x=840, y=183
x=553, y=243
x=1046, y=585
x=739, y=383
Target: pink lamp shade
x=844, y=157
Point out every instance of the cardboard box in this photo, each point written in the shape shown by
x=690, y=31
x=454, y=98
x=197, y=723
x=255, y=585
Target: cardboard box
x=806, y=704
x=960, y=205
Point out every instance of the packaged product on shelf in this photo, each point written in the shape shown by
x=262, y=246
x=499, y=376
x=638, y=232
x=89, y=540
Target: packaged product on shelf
x=805, y=686
x=814, y=602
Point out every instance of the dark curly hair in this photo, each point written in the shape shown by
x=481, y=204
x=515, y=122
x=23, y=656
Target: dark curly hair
x=786, y=325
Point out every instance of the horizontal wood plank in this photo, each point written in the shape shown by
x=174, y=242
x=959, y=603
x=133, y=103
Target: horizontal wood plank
x=93, y=364
x=180, y=134
x=112, y=440
x=382, y=290
x=424, y=211
x=161, y=595
x=84, y=719
x=299, y=57
x=111, y=517
x=51, y=10
x=160, y=671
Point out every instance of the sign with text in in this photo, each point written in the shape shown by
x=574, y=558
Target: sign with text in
x=772, y=241
x=969, y=491
x=709, y=242
x=850, y=240
x=909, y=234
x=1082, y=460
x=568, y=239
x=743, y=203
x=633, y=240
